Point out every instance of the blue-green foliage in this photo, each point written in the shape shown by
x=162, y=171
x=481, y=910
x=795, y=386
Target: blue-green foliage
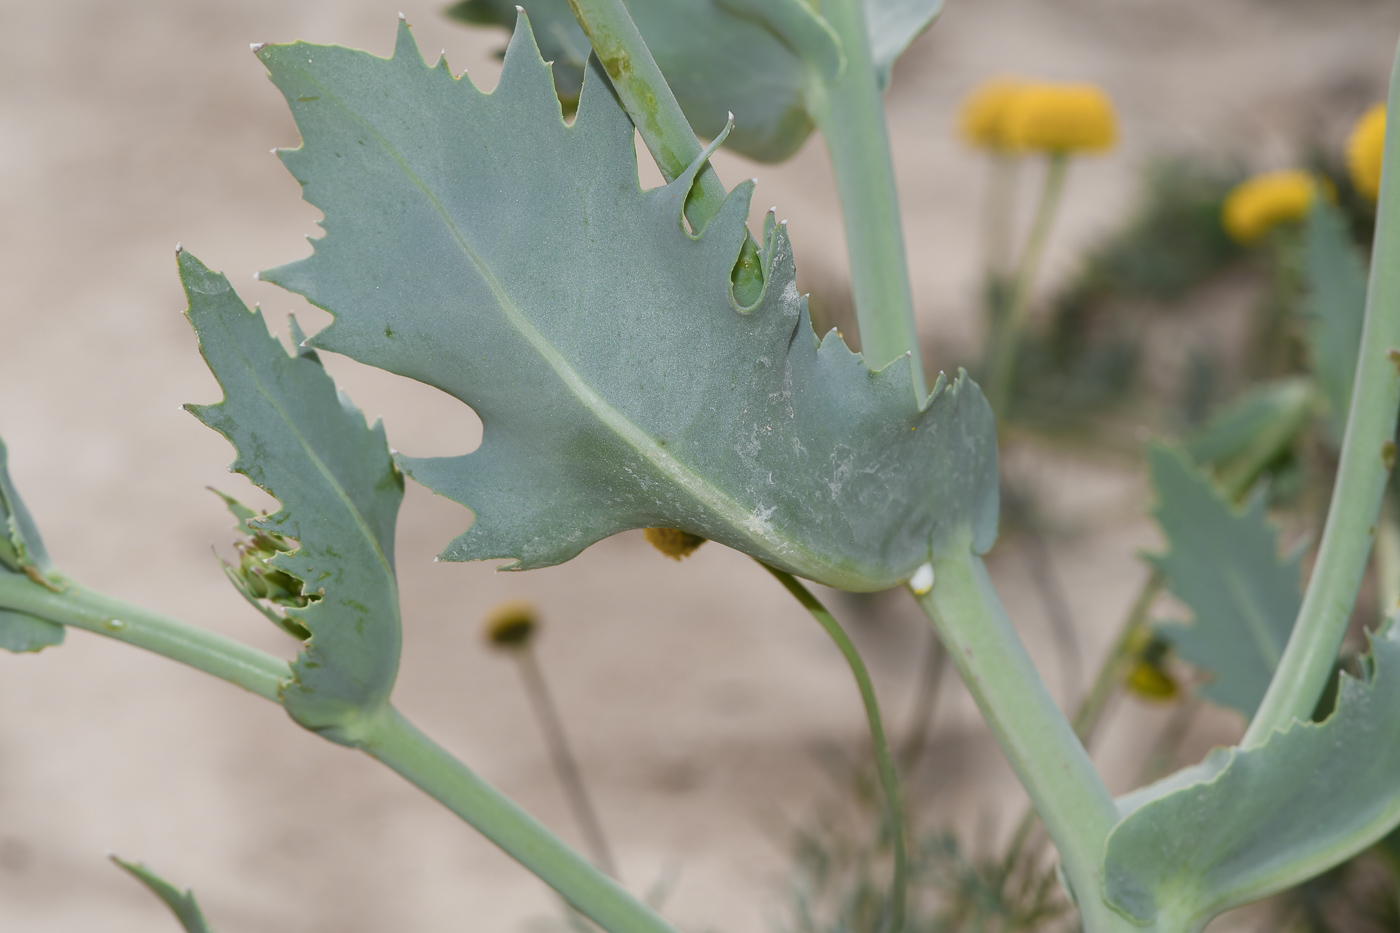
x=477, y=243
x=1224, y=565
x=1247, y=823
x=309, y=447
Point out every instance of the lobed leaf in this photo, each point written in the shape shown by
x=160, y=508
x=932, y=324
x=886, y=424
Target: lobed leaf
x=1336, y=308
x=309, y=447
x=1248, y=823
x=181, y=903
x=477, y=243
x=1224, y=566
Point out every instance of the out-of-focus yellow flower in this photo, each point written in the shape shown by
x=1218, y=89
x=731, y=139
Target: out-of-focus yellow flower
x=510, y=624
x=1365, y=147
x=1151, y=682
x=1060, y=118
x=673, y=542
x=982, y=120
x=1256, y=206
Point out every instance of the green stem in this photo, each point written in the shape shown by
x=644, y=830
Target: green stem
x=1368, y=452
x=1095, y=702
x=884, y=762
x=77, y=606
x=648, y=100
x=1003, y=345
x=397, y=743
x=661, y=123
x=392, y=740
x=1038, y=741
x=851, y=116
x=998, y=214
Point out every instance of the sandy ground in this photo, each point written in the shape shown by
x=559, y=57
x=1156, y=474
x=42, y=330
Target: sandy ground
x=697, y=693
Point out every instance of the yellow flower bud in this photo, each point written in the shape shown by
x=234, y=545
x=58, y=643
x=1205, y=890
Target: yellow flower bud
x=511, y=624
x=1060, y=118
x=1256, y=206
x=1365, y=147
x=982, y=119
x=673, y=542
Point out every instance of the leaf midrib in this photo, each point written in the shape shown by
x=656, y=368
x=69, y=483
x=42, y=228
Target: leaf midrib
x=336, y=487
x=734, y=513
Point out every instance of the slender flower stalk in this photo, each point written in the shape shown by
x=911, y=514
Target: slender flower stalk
x=512, y=627
x=884, y=762
x=999, y=369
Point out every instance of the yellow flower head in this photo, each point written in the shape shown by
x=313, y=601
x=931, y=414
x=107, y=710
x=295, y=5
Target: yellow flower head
x=1365, y=146
x=673, y=542
x=982, y=120
x=510, y=624
x=1060, y=118
x=1256, y=206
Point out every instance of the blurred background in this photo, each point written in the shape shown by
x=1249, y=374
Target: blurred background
x=714, y=722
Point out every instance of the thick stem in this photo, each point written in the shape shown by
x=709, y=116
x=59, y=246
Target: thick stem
x=79, y=607
x=1368, y=454
x=1002, y=347
x=565, y=765
x=884, y=763
x=851, y=116
x=397, y=743
x=1038, y=741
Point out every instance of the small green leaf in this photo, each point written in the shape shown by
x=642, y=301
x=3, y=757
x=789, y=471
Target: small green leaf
x=477, y=243
x=1224, y=566
x=21, y=548
x=22, y=633
x=1336, y=308
x=340, y=491
x=181, y=903
x=1245, y=437
x=754, y=58
x=1248, y=823
x=892, y=26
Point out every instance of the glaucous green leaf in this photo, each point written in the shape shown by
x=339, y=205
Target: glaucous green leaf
x=1224, y=565
x=476, y=243
x=892, y=26
x=309, y=447
x=1336, y=308
x=1248, y=823
x=1240, y=441
x=752, y=58
x=181, y=903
